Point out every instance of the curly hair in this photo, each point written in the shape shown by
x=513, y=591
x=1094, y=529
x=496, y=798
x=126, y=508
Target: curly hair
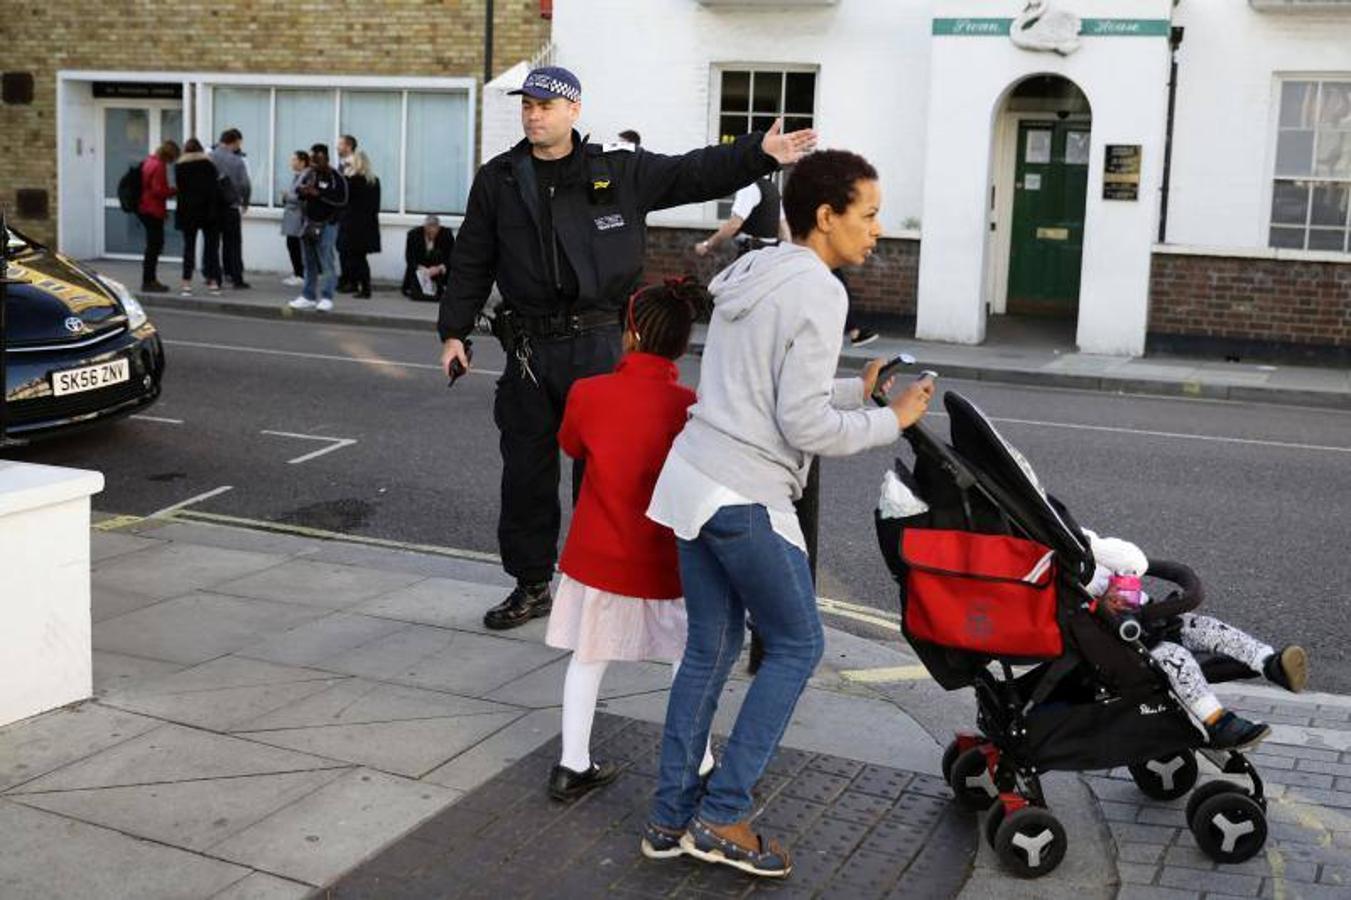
x=826, y=176
x=661, y=316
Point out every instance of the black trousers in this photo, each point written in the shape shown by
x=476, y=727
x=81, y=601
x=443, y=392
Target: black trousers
x=232, y=245
x=210, y=253
x=528, y=414
x=154, y=245
x=297, y=260
x=355, y=269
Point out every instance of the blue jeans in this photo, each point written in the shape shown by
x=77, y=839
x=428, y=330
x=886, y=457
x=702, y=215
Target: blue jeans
x=736, y=565
x=321, y=259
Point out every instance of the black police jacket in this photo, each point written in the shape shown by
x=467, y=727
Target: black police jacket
x=599, y=212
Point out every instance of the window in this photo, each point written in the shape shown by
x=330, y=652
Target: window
x=1311, y=191
x=417, y=140
x=751, y=99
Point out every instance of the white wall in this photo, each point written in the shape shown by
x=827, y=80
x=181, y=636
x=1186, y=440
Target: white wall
x=1224, y=134
x=969, y=78
x=647, y=66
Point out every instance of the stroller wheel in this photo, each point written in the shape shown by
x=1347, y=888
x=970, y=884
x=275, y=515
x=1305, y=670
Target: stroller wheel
x=971, y=781
x=950, y=754
x=1030, y=842
x=1230, y=827
x=1166, y=777
x=1206, y=791
x=994, y=817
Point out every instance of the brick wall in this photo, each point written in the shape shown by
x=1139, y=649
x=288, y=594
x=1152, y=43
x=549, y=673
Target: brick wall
x=377, y=37
x=1256, y=308
x=883, y=289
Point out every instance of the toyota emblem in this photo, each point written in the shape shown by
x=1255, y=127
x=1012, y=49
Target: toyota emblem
x=74, y=324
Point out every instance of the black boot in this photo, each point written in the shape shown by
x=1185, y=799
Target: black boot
x=1231, y=732
x=1288, y=667
x=526, y=602
x=567, y=785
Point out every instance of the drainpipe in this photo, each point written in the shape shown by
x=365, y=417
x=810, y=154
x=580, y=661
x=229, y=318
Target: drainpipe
x=487, y=43
x=1174, y=41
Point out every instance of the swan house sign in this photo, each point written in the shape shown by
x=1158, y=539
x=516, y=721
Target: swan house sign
x=1042, y=27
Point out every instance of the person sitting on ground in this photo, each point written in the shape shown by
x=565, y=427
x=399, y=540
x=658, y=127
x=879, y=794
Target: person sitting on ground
x=426, y=255
x=619, y=598
x=768, y=403
x=1173, y=645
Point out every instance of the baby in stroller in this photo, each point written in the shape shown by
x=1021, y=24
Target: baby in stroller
x=1116, y=581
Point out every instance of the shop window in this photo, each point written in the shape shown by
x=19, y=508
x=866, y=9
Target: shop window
x=750, y=99
x=1311, y=187
x=417, y=140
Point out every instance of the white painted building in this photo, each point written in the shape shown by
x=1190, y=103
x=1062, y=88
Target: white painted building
x=1026, y=145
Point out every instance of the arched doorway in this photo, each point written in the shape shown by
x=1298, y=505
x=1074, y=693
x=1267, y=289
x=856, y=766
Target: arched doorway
x=1040, y=173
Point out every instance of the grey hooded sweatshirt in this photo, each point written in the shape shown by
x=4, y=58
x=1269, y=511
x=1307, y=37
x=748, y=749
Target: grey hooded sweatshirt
x=768, y=400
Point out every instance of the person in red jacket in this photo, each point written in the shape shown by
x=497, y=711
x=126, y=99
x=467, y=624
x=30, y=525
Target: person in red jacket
x=152, y=212
x=620, y=597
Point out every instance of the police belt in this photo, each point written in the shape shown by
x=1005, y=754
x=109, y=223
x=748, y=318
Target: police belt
x=564, y=324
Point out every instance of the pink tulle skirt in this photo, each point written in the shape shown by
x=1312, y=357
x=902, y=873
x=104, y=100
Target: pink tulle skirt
x=598, y=625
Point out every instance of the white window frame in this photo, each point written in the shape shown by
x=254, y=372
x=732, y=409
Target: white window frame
x=715, y=73
x=1271, y=176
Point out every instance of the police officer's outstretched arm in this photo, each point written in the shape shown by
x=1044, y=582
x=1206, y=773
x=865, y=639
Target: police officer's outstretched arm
x=712, y=172
x=473, y=266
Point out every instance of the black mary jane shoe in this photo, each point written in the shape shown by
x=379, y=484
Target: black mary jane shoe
x=567, y=785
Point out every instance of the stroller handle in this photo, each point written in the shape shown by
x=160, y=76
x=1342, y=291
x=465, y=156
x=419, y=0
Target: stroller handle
x=1191, y=595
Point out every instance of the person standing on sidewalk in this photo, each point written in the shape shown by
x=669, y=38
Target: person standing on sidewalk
x=359, y=225
x=768, y=403
x=756, y=220
x=323, y=192
x=198, y=212
x=228, y=155
x=347, y=148
x=558, y=224
x=619, y=597
x=152, y=212
x=293, y=218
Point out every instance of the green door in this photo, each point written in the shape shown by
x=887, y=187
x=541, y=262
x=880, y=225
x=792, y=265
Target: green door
x=1050, y=184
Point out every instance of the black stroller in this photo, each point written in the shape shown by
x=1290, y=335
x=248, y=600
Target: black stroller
x=992, y=576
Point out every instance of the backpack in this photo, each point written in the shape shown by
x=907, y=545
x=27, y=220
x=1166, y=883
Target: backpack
x=129, y=189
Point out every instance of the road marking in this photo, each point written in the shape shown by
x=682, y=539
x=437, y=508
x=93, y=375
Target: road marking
x=885, y=674
x=165, y=513
x=857, y=613
x=159, y=419
x=338, y=444
x=332, y=357
x=117, y=522
x=1218, y=439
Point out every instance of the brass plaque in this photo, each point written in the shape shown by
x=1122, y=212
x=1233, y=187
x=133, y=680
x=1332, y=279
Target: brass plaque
x=1121, y=172
x=1053, y=234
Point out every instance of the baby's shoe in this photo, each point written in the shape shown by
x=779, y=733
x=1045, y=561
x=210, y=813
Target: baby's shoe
x=1231, y=732
x=1288, y=667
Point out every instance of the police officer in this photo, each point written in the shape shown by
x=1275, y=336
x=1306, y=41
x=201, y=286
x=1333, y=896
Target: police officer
x=756, y=220
x=558, y=223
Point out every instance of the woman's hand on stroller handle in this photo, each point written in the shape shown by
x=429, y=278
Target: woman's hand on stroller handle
x=911, y=404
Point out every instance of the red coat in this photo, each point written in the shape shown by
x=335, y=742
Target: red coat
x=154, y=187
x=622, y=425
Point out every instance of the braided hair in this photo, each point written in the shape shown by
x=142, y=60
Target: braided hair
x=660, y=316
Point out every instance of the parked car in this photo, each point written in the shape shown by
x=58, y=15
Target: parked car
x=80, y=348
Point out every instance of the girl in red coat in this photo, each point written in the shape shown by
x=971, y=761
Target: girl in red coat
x=620, y=596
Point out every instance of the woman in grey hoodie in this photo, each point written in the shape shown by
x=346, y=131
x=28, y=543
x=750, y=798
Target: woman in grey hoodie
x=293, y=217
x=768, y=402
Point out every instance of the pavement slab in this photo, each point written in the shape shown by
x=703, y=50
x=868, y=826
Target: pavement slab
x=109, y=602
x=176, y=568
x=319, y=639
x=35, y=746
x=481, y=762
x=326, y=585
x=194, y=815
x=175, y=753
x=449, y=603
x=357, y=701
x=197, y=627
x=47, y=855
x=104, y=545
x=261, y=886
x=116, y=671
x=336, y=827
x=459, y=662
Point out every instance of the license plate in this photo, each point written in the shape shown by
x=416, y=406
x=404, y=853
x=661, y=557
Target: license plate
x=90, y=378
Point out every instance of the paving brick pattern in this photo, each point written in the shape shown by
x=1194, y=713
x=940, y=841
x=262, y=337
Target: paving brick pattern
x=1308, y=850
x=857, y=831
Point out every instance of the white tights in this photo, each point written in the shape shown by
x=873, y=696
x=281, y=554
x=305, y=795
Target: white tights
x=581, y=690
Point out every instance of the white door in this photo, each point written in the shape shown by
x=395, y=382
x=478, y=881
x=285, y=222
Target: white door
x=131, y=131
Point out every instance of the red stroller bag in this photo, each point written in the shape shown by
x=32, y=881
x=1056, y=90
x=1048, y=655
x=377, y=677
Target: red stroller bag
x=987, y=593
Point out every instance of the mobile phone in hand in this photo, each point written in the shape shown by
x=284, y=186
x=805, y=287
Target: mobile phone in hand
x=457, y=368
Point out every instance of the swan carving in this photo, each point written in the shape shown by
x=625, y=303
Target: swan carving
x=1043, y=27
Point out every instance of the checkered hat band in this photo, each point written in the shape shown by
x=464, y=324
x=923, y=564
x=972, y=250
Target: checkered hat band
x=554, y=86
